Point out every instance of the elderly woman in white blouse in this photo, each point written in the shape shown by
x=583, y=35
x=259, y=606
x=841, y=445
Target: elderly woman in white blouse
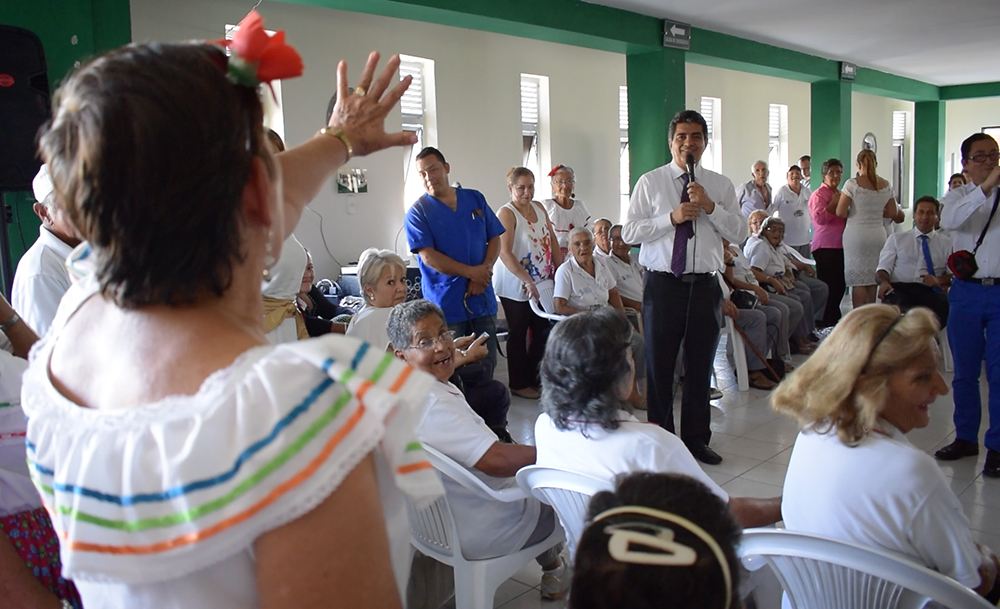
x=584, y=282
x=853, y=475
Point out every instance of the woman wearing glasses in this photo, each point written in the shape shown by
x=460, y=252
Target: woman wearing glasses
x=528, y=255
x=565, y=211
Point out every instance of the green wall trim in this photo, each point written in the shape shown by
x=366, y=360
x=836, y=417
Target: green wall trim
x=656, y=92
x=928, y=157
x=897, y=87
x=830, y=126
x=982, y=89
x=734, y=53
x=562, y=21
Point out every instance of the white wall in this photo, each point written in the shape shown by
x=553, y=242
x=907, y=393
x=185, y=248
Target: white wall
x=871, y=113
x=478, y=103
x=745, y=100
x=962, y=119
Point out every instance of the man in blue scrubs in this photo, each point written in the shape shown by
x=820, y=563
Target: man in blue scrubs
x=974, y=314
x=457, y=238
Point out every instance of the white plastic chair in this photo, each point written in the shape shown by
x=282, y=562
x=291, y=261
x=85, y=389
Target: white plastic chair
x=544, y=306
x=739, y=348
x=822, y=573
x=567, y=492
x=433, y=532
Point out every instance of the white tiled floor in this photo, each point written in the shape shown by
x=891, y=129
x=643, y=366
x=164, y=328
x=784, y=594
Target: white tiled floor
x=755, y=444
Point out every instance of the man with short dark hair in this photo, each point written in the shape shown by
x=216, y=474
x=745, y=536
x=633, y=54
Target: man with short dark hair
x=805, y=162
x=680, y=224
x=913, y=266
x=456, y=236
x=974, y=314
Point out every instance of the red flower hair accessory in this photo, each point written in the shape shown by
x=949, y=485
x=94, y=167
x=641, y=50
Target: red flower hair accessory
x=555, y=170
x=258, y=57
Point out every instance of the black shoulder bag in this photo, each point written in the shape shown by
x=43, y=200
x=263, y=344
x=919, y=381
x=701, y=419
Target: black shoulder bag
x=962, y=263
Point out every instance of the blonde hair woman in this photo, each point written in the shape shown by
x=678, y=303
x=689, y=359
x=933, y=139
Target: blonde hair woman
x=865, y=201
x=382, y=279
x=852, y=474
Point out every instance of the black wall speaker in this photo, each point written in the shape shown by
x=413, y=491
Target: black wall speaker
x=24, y=106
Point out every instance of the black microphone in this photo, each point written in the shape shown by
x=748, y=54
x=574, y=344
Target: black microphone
x=690, y=167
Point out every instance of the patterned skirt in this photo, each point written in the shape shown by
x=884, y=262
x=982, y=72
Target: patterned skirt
x=35, y=540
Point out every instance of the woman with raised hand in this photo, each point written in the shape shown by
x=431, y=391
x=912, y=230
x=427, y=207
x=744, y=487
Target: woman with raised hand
x=187, y=463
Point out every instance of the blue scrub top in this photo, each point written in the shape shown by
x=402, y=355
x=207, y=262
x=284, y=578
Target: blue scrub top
x=462, y=236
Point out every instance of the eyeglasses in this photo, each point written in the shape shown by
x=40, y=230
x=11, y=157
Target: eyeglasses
x=980, y=157
x=563, y=182
x=446, y=338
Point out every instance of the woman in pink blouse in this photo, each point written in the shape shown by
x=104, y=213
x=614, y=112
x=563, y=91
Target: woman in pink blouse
x=828, y=238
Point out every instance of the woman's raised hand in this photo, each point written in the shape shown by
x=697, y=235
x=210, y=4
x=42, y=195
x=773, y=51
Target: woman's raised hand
x=361, y=114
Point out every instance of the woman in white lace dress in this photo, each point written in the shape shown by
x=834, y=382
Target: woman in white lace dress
x=865, y=201
x=187, y=462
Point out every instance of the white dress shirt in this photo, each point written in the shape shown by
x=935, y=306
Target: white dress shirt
x=902, y=256
x=794, y=210
x=656, y=194
x=41, y=280
x=966, y=211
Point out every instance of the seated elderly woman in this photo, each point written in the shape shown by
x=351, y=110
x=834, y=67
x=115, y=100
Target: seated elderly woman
x=870, y=383
x=585, y=282
x=659, y=541
x=803, y=268
x=775, y=272
x=585, y=425
x=382, y=279
x=320, y=315
x=420, y=336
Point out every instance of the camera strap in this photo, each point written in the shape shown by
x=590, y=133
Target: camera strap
x=982, y=235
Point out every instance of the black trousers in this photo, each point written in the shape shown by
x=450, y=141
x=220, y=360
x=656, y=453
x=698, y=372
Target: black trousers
x=666, y=302
x=524, y=358
x=830, y=270
x=909, y=295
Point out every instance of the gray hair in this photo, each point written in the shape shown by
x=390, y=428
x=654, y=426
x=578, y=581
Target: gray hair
x=580, y=229
x=584, y=368
x=599, y=220
x=371, y=264
x=404, y=316
x=564, y=169
x=754, y=165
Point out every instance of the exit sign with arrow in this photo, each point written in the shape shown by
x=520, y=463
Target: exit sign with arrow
x=676, y=35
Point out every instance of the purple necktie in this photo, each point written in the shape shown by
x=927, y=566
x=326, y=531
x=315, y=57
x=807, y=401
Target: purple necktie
x=682, y=232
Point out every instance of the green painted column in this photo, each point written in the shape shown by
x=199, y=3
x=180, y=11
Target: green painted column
x=831, y=126
x=656, y=92
x=928, y=149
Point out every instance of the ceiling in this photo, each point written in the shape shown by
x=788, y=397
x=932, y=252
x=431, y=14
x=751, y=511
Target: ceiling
x=935, y=41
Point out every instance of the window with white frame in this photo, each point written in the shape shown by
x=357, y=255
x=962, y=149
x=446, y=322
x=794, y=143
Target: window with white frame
x=899, y=155
x=623, y=169
x=711, y=111
x=777, y=143
x=414, y=107
x=531, y=99
x=270, y=96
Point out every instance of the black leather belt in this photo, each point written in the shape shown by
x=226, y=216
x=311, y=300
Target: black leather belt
x=983, y=280
x=687, y=277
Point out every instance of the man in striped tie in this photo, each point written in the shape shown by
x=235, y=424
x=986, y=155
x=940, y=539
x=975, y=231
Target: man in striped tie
x=679, y=215
x=913, y=267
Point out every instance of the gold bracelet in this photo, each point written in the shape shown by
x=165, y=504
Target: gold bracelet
x=340, y=135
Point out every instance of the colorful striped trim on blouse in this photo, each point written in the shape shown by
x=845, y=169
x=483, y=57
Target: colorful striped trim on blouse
x=312, y=432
